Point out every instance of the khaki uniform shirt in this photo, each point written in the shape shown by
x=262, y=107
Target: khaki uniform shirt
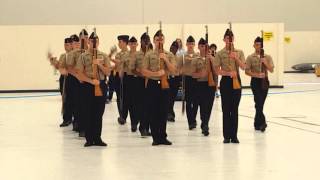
x=253, y=62
x=84, y=64
x=205, y=63
x=152, y=61
x=192, y=63
x=73, y=57
x=136, y=61
x=227, y=64
x=123, y=57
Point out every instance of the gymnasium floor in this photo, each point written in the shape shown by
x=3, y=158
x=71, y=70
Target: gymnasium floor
x=33, y=147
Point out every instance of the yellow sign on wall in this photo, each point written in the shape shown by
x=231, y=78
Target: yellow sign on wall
x=267, y=36
x=287, y=39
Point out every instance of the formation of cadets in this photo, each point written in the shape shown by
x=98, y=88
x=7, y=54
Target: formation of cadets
x=147, y=79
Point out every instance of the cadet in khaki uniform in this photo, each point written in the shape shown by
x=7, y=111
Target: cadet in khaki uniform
x=76, y=87
x=205, y=92
x=61, y=66
x=95, y=105
x=158, y=98
x=254, y=69
x=121, y=60
x=190, y=65
x=227, y=65
x=130, y=85
x=174, y=81
x=146, y=46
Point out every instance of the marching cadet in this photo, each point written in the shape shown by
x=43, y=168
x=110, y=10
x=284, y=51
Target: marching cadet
x=76, y=86
x=121, y=83
x=188, y=68
x=174, y=81
x=205, y=85
x=156, y=64
x=227, y=63
x=61, y=66
x=92, y=82
x=145, y=47
x=131, y=86
x=67, y=111
x=258, y=64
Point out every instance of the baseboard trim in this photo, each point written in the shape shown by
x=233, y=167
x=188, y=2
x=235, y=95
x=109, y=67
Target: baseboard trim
x=30, y=91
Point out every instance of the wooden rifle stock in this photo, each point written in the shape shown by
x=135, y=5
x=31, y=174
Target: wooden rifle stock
x=97, y=89
x=235, y=80
x=211, y=82
x=164, y=78
x=82, y=42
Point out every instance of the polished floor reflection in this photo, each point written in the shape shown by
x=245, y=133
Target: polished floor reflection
x=33, y=147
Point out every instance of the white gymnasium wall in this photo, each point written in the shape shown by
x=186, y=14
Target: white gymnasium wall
x=296, y=14
x=23, y=49
x=302, y=48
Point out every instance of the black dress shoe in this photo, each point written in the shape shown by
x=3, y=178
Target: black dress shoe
x=205, y=132
x=154, y=143
x=225, y=141
x=121, y=121
x=235, y=140
x=192, y=126
x=65, y=123
x=263, y=127
x=166, y=142
x=87, y=144
x=133, y=128
x=100, y=143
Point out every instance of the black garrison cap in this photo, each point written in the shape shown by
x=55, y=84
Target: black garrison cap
x=67, y=40
x=75, y=38
x=228, y=33
x=93, y=35
x=85, y=33
x=190, y=39
x=202, y=42
x=124, y=38
x=132, y=39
